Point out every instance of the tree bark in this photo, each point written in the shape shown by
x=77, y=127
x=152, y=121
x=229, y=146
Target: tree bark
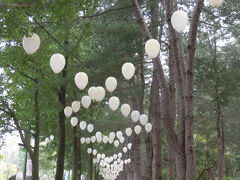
x=90, y=166
x=61, y=128
x=35, y=158
x=220, y=138
x=76, y=175
x=157, y=139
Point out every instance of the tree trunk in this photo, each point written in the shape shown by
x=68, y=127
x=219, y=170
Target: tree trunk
x=157, y=139
x=35, y=158
x=172, y=92
x=76, y=175
x=220, y=138
x=90, y=166
x=61, y=129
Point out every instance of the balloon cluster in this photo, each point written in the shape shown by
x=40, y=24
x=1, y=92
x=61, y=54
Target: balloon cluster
x=111, y=166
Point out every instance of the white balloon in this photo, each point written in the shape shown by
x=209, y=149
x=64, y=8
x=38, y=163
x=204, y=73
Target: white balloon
x=31, y=44
x=119, y=134
x=99, y=94
x=89, y=150
x=129, y=160
x=81, y=80
x=82, y=140
x=76, y=106
x=98, y=156
x=137, y=129
x=105, y=139
x=125, y=110
x=103, y=156
x=119, y=155
x=114, y=103
x=94, y=152
x=82, y=125
x=57, y=63
x=179, y=21
x=98, y=134
x=99, y=139
x=129, y=146
x=135, y=115
x=93, y=139
x=74, y=121
x=148, y=127
x=122, y=140
x=143, y=119
x=215, y=3
x=68, y=111
x=112, y=135
x=116, y=143
x=90, y=128
x=111, y=84
x=88, y=140
x=115, y=156
x=110, y=140
x=128, y=70
x=86, y=101
x=152, y=48
x=128, y=131
x=91, y=91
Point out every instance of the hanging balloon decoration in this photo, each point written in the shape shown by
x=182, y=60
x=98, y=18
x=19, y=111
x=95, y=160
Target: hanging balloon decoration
x=116, y=143
x=215, y=3
x=125, y=149
x=88, y=140
x=148, y=127
x=114, y=103
x=99, y=94
x=31, y=44
x=112, y=135
x=81, y=80
x=128, y=70
x=105, y=139
x=68, y=111
x=90, y=128
x=119, y=134
x=125, y=110
x=82, y=140
x=137, y=129
x=119, y=155
x=129, y=146
x=111, y=84
x=93, y=139
x=128, y=131
x=82, y=125
x=94, y=152
x=91, y=91
x=76, y=106
x=98, y=134
x=110, y=140
x=99, y=139
x=143, y=119
x=135, y=115
x=122, y=139
x=179, y=21
x=57, y=63
x=89, y=150
x=74, y=121
x=86, y=101
x=152, y=48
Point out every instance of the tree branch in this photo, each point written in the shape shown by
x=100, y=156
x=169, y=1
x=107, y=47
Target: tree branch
x=104, y=12
x=12, y=114
x=55, y=39
x=171, y=135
